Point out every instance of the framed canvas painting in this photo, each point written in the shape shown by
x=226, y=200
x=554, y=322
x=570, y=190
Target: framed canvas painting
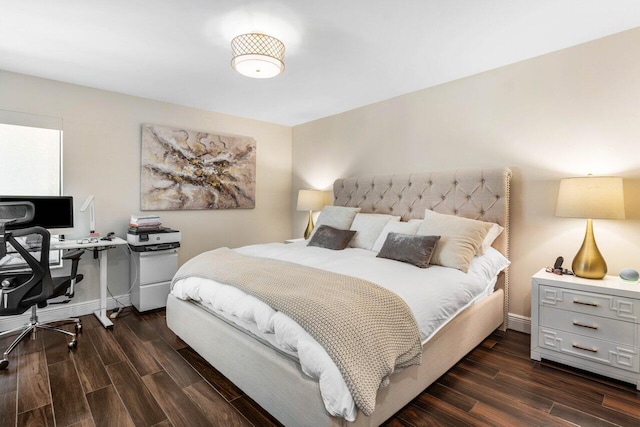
x=186, y=169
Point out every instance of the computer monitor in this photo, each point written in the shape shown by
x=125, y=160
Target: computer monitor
x=55, y=213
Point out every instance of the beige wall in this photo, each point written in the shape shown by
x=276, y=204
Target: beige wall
x=568, y=113
x=102, y=132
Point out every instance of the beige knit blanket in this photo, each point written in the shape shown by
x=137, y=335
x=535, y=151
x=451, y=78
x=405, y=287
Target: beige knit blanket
x=368, y=331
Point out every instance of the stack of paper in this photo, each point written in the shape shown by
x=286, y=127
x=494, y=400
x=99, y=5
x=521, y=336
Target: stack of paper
x=148, y=222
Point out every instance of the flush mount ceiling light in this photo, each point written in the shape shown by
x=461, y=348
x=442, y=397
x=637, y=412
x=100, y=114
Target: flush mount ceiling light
x=257, y=55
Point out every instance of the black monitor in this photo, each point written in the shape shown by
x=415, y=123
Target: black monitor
x=54, y=213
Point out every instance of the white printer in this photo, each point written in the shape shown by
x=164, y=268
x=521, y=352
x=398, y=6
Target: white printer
x=153, y=240
x=154, y=262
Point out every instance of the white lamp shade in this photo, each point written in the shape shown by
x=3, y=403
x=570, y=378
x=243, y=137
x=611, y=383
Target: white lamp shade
x=310, y=200
x=257, y=66
x=594, y=197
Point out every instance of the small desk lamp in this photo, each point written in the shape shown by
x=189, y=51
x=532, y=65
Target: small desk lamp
x=590, y=197
x=309, y=200
x=91, y=204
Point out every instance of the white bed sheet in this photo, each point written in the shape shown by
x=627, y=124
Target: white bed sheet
x=435, y=295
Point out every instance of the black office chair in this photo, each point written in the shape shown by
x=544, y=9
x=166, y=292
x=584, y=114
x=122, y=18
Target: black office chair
x=31, y=287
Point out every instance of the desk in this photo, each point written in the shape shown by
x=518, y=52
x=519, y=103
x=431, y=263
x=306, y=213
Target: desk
x=103, y=246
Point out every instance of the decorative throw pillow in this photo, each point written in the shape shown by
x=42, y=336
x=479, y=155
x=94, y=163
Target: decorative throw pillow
x=331, y=238
x=410, y=228
x=339, y=217
x=416, y=250
x=368, y=227
x=460, y=238
x=491, y=236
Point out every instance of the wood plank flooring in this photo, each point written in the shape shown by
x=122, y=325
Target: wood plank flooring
x=141, y=374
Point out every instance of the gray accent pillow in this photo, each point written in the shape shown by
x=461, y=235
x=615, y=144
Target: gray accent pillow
x=331, y=238
x=416, y=250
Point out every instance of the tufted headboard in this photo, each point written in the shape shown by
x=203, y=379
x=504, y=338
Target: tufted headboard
x=481, y=194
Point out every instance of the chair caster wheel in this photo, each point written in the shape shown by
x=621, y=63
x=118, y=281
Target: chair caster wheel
x=78, y=328
x=3, y=364
x=72, y=344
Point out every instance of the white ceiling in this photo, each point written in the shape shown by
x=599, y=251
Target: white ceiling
x=341, y=54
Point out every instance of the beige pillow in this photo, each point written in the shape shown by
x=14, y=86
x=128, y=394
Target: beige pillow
x=401, y=227
x=339, y=217
x=460, y=238
x=368, y=227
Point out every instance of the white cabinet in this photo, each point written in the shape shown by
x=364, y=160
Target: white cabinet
x=294, y=240
x=589, y=324
x=151, y=275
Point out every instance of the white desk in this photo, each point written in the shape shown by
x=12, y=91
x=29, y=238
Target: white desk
x=103, y=246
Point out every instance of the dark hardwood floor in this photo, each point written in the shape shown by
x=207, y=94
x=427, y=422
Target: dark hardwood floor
x=141, y=374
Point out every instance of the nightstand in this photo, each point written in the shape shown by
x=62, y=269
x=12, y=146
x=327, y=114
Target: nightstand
x=301, y=239
x=588, y=324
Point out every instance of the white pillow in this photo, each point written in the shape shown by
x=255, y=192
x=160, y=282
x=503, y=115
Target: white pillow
x=489, y=265
x=459, y=241
x=339, y=217
x=491, y=236
x=368, y=227
x=410, y=227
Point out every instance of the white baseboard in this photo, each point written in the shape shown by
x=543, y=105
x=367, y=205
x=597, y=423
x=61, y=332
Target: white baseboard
x=62, y=311
x=519, y=323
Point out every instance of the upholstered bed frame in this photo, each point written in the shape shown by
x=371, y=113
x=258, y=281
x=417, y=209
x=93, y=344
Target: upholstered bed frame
x=276, y=382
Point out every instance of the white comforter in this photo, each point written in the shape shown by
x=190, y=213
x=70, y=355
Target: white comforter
x=435, y=295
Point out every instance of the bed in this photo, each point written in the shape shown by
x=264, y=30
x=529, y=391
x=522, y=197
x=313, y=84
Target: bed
x=275, y=380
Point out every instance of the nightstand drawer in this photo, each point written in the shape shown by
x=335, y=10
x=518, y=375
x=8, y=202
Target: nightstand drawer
x=613, y=307
x=602, y=352
x=590, y=326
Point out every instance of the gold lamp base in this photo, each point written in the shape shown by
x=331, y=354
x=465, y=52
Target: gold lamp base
x=309, y=228
x=589, y=262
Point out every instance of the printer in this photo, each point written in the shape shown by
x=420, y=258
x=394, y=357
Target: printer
x=154, y=262
x=157, y=239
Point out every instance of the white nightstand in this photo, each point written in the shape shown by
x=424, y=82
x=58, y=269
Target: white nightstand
x=301, y=239
x=589, y=324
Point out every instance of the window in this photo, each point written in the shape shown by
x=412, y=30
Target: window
x=30, y=155
x=30, y=164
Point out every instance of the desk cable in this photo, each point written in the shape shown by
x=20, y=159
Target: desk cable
x=119, y=305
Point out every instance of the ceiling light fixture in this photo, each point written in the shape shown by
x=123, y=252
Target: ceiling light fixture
x=257, y=55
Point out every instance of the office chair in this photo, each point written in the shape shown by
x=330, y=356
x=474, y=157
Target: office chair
x=33, y=287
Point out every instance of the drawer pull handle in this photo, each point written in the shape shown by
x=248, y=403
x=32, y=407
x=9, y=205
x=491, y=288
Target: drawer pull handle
x=592, y=304
x=579, y=347
x=582, y=325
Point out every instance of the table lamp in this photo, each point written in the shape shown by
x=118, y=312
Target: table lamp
x=91, y=204
x=590, y=197
x=309, y=200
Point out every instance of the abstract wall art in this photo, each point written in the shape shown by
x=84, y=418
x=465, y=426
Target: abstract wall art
x=184, y=169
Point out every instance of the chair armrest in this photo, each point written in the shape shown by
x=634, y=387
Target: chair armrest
x=73, y=255
x=12, y=296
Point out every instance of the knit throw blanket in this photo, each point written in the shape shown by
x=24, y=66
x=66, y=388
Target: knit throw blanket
x=368, y=331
